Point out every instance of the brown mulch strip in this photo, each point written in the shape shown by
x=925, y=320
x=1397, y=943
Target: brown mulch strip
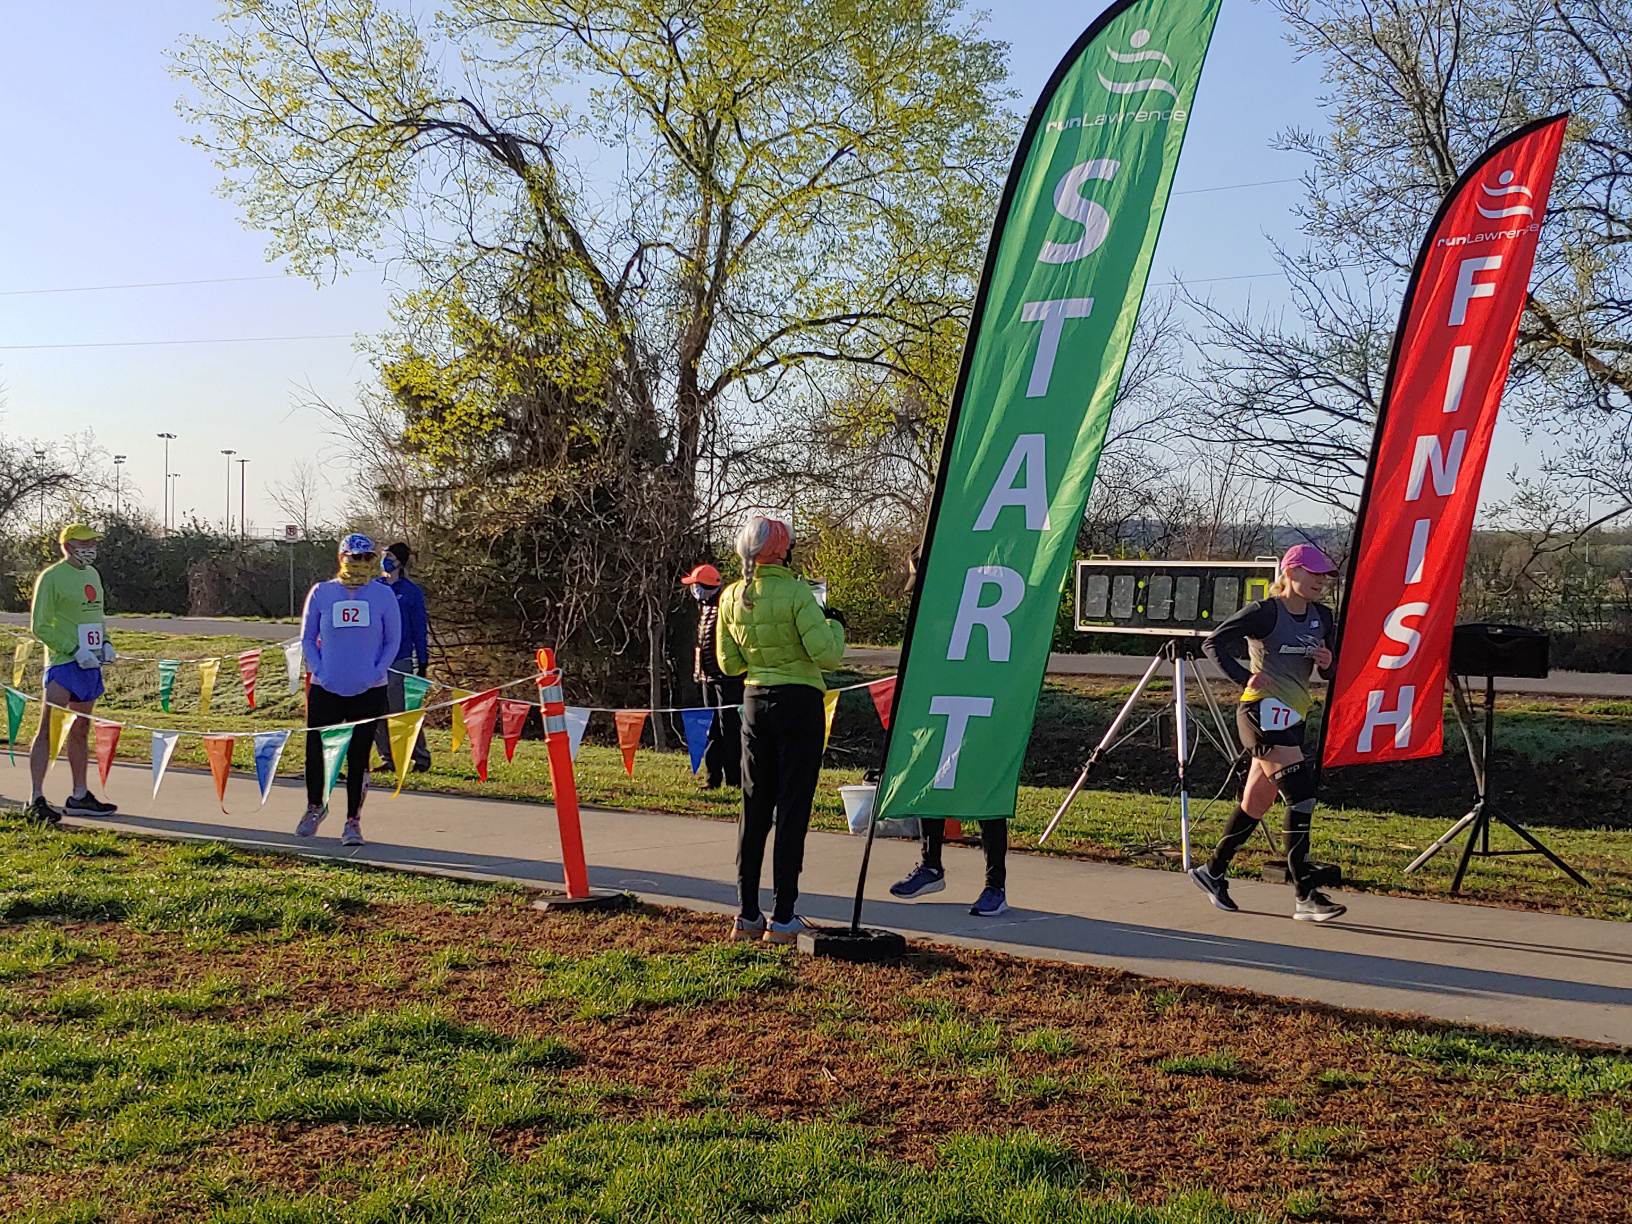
x=839, y=1042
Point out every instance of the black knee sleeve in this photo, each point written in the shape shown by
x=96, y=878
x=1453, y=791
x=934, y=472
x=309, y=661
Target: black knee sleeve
x=1298, y=785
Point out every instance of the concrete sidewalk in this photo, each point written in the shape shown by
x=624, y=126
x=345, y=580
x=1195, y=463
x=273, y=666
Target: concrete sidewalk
x=1548, y=974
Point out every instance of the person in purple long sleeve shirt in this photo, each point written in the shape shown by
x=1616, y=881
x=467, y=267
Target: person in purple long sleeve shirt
x=414, y=652
x=349, y=634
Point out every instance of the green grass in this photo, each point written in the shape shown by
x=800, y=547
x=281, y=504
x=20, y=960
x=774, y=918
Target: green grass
x=1220, y=1064
x=1524, y=1065
x=616, y=983
x=1609, y=1133
x=1318, y=1144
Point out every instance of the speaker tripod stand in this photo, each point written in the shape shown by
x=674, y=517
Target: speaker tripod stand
x=1181, y=654
x=1477, y=821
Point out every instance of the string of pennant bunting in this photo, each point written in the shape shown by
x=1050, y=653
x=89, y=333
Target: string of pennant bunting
x=480, y=713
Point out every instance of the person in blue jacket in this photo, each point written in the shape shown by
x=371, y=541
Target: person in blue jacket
x=414, y=651
x=349, y=634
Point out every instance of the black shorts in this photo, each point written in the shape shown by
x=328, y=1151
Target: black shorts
x=1258, y=740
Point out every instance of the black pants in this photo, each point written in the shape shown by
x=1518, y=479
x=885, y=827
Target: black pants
x=994, y=841
x=722, y=758
x=396, y=702
x=326, y=709
x=782, y=731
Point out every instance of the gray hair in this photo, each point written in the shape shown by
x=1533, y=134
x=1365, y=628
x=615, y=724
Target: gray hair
x=751, y=540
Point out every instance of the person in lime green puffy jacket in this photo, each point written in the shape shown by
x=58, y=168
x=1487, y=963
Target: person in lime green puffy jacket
x=772, y=630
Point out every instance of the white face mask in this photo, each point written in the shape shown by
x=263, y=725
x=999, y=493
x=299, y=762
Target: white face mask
x=85, y=554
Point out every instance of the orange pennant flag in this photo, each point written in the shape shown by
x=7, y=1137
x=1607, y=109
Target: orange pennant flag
x=249, y=667
x=219, y=749
x=478, y=714
x=512, y=718
x=107, y=742
x=630, y=724
x=883, y=695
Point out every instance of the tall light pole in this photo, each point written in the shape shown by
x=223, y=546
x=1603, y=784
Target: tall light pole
x=168, y=438
x=39, y=458
x=118, y=471
x=175, y=496
x=227, y=515
x=243, y=529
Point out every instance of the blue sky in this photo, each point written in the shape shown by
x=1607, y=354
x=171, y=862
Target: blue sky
x=103, y=189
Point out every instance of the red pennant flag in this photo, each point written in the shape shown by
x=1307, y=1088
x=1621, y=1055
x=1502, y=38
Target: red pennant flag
x=219, y=749
x=512, y=717
x=249, y=667
x=107, y=742
x=630, y=724
x=478, y=715
x=883, y=694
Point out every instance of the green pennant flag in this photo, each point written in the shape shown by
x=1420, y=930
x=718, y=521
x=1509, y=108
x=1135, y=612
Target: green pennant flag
x=16, y=703
x=167, y=681
x=1065, y=273
x=335, y=742
x=414, y=689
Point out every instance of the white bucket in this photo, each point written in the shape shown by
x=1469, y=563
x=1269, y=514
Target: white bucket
x=858, y=810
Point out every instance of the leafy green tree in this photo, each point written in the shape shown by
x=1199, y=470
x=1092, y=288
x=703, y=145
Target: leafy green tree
x=778, y=221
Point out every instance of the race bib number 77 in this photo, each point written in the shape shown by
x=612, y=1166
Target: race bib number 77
x=1277, y=715
x=351, y=614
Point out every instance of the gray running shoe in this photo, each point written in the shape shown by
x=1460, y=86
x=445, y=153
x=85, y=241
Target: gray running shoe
x=1216, y=887
x=747, y=930
x=353, y=834
x=1318, y=907
x=314, y=817
x=788, y=932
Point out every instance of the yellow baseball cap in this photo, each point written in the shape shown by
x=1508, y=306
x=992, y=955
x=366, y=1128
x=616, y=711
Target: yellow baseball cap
x=78, y=531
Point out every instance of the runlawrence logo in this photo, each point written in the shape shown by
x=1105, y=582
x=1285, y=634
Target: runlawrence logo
x=1154, y=82
x=1140, y=55
x=1505, y=206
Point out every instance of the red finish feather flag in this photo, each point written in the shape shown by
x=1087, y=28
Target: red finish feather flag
x=1451, y=354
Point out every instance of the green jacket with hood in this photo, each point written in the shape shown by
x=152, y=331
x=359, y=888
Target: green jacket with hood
x=783, y=638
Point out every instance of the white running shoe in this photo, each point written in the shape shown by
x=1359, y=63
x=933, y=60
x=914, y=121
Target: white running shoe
x=1317, y=907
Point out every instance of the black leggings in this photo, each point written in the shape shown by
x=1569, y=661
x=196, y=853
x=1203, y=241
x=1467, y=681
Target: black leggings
x=782, y=731
x=994, y=841
x=326, y=709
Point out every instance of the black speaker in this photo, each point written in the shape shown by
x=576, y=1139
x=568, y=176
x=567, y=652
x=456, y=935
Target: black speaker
x=1482, y=649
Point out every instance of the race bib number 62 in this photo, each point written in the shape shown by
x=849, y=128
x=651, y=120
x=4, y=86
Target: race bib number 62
x=351, y=614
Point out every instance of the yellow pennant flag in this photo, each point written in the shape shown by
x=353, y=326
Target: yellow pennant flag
x=403, y=732
x=208, y=669
x=61, y=720
x=19, y=661
x=459, y=717
x=830, y=704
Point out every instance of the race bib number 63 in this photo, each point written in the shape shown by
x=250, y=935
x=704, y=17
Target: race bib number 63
x=351, y=614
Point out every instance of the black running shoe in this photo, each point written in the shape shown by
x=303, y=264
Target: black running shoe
x=1216, y=887
x=40, y=812
x=88, y=805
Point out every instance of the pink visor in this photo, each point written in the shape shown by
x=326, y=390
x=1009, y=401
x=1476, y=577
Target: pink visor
x=1307, y=557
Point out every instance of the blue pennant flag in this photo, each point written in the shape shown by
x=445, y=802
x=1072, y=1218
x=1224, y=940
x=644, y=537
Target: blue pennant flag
x=268, y=748
x=696, y=723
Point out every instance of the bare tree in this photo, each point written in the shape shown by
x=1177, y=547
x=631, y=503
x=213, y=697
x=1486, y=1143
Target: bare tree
x=300, y=495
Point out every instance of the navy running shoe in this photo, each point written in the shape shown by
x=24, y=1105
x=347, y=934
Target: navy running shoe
x=920, y=882
x=991, y=903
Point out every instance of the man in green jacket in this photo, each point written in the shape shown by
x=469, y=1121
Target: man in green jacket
x=772, y=630
x=67, y=617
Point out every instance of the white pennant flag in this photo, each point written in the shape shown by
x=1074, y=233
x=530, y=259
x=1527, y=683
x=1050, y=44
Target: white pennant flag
x=577, y=720
x=164, y=744
x=291, y=660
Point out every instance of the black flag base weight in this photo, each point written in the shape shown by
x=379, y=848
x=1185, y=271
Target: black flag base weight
x=599, y=899
x=858, y=945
